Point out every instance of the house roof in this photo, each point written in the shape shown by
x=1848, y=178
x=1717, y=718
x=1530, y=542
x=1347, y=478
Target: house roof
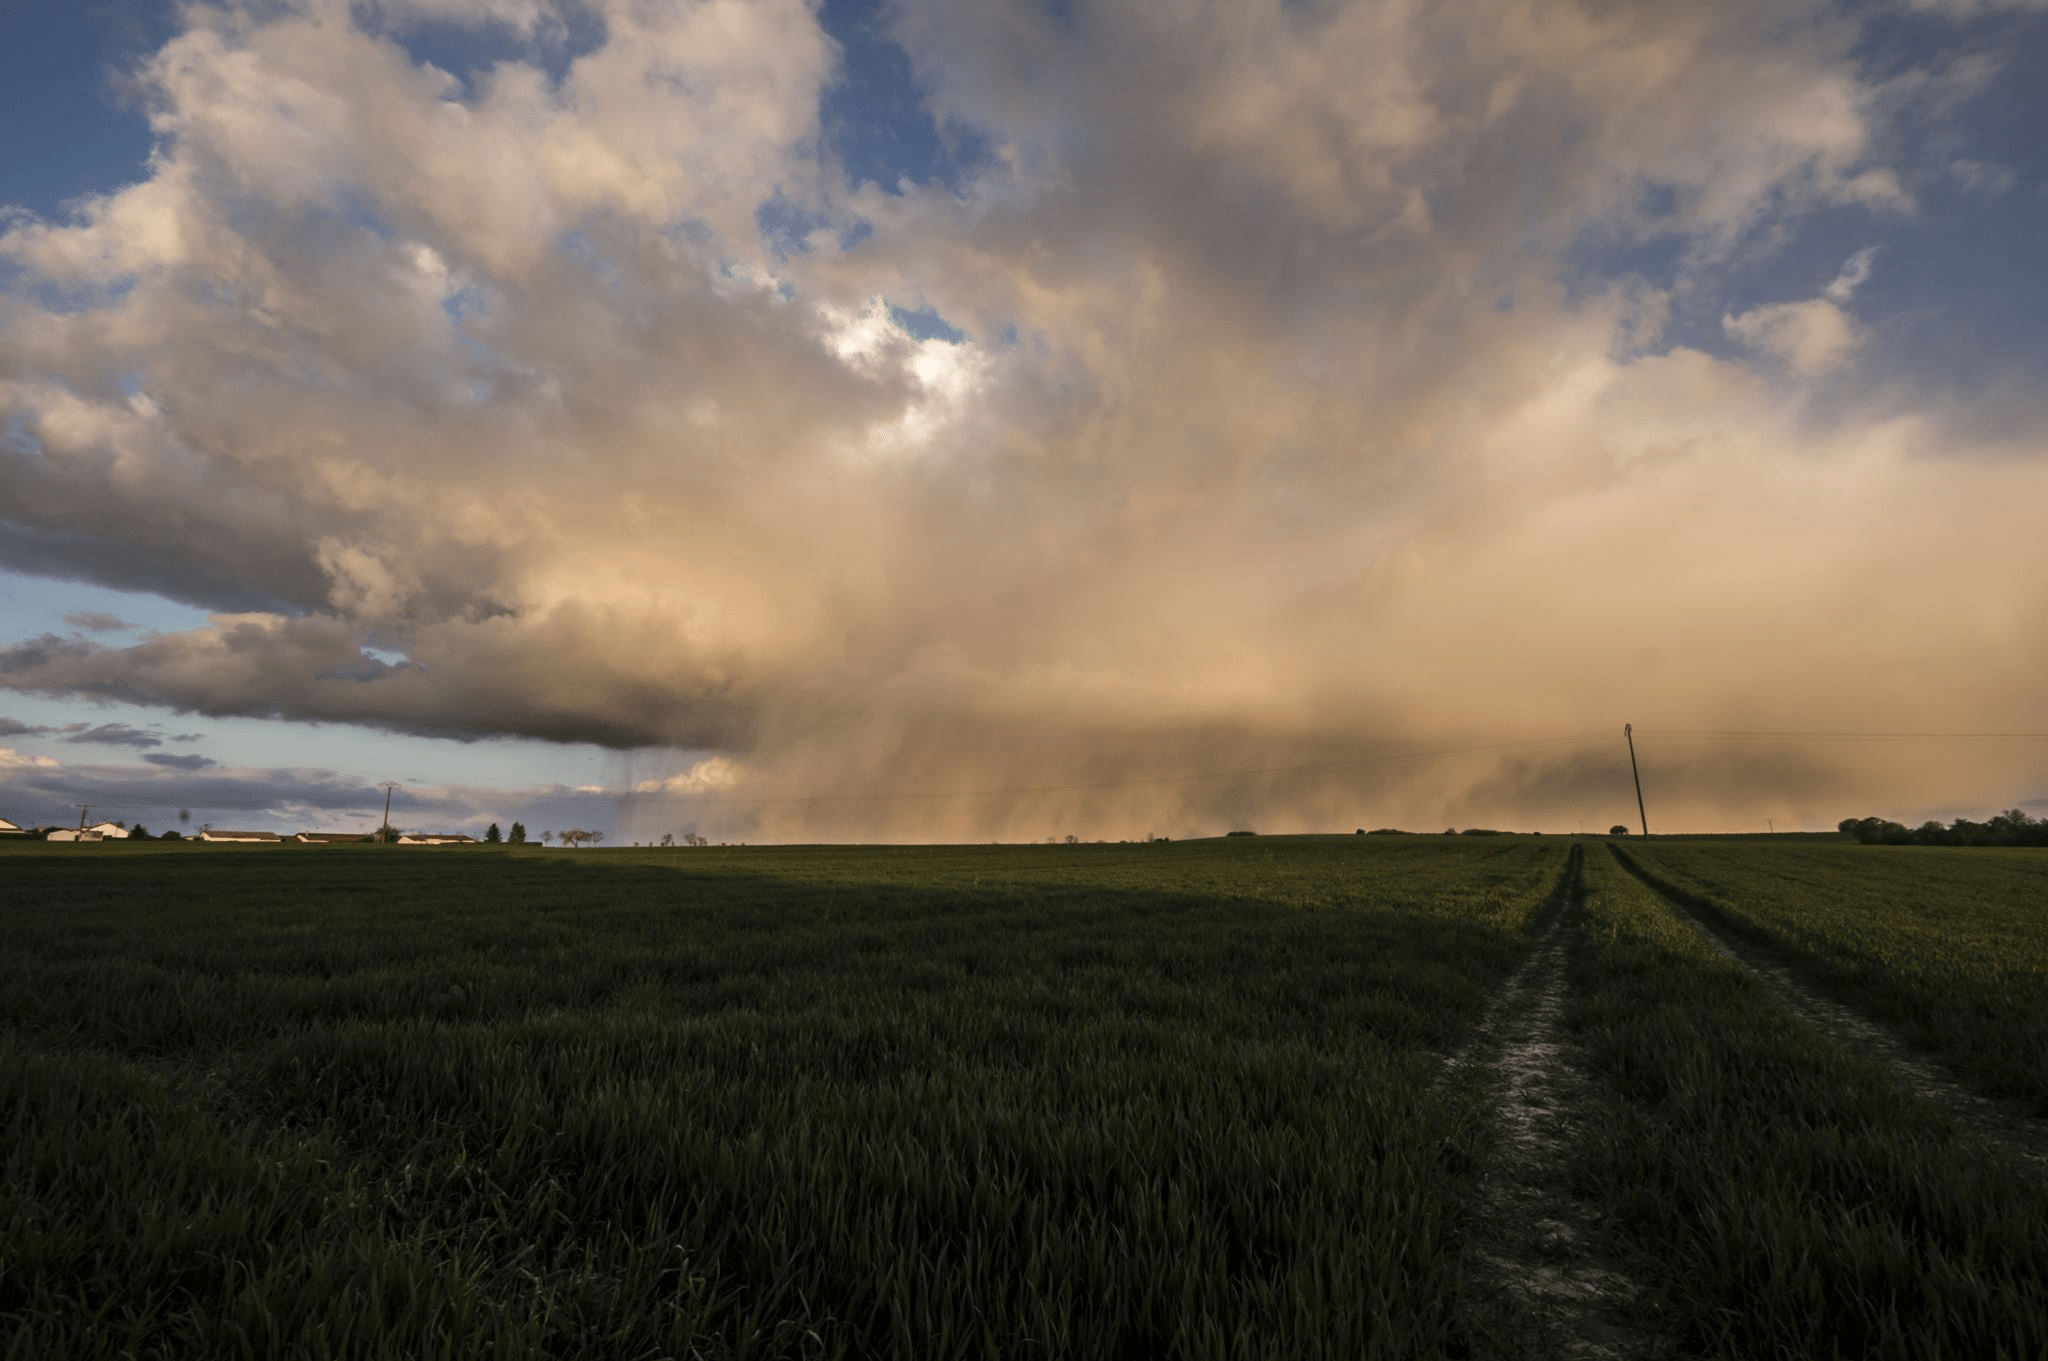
x=218, y=835
x=332, y=836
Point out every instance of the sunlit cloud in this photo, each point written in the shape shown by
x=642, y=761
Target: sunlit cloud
x=1302, y=397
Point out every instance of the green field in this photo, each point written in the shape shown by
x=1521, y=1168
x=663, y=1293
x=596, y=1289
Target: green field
x=1075, y=1101
x=1948, y=943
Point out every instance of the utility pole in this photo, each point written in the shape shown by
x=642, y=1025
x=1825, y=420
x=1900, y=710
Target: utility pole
x=1628, y=730
x=384, y=832
x=83, y=809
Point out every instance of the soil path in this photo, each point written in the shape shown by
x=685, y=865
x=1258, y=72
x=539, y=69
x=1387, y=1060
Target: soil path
x=1995, y=1122
x=1535, y=1243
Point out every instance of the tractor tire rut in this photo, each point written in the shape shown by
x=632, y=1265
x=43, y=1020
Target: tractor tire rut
x=1996, y=1123
x=1535, y=1243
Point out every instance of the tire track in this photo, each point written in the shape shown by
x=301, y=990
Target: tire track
x=1994, y=1122
x=1535, y=1244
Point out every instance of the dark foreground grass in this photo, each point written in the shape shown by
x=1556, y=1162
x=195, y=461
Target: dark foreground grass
x=1072, y=1102
x=1947, y=944
x=1804, y=1205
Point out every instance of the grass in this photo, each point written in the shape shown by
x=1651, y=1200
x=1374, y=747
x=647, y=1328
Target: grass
x=1802, y=1203
x=1076, y=1102
x=1081, y=1101
x=1949, y=944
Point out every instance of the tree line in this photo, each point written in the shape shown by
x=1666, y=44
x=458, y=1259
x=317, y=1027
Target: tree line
x=2011, y=828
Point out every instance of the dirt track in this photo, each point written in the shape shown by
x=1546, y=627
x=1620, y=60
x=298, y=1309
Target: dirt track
x=1536, y=1244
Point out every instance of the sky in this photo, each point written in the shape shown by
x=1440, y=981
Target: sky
x=940, y=420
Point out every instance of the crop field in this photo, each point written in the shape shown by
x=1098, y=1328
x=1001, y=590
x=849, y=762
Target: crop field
x=1949, y=943
x=1240, y=1098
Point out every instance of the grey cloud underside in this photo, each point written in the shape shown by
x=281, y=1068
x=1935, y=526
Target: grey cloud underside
x=120, y=557
x=1287, y=416
x=317, y=673
x=97, y=621
x=131, y=792
x=117, y=735
x=171, y=762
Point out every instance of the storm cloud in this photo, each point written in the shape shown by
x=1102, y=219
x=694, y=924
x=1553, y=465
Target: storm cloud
x=1304, y=402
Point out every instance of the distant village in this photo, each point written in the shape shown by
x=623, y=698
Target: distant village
x=114, y=831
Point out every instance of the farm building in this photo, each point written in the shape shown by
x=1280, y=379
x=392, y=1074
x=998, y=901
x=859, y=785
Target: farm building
x=435, y=839
x=74, y=834
x=328, y=838
x=215, y=834
x=12, y=829
x=111, y=831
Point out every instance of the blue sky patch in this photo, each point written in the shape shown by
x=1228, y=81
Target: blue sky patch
x=926, y=324
x=875, y=117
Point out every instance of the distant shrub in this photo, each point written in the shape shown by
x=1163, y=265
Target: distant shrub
x=1617, y=830
x=1384, y=831
x=1482, y=831
x=1246, y=832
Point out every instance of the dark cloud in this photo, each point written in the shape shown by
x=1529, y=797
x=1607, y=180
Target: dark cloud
x=191, y=762
x=97, y=621
x=181, y=569
x=313, y=668
x=117, y=735
x=14, y=727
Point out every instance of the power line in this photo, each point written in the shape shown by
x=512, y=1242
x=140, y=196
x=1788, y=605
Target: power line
x=1854, y=736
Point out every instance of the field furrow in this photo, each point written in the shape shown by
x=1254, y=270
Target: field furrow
x=1796, y=1200
x=2002, y=1125
x=1947, y=945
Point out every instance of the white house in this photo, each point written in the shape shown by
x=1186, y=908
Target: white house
x=112, y=831
x=11, y=828
x=215, y=834
x=328, y=838
x=74, y=834
x=434, y=839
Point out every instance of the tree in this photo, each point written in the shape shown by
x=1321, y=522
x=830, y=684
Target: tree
x=576, y=836
x=1617, y=830
x=493, y=835
x=139, y=832
x=171, y=835
x=518, y=835
x=668, y=838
